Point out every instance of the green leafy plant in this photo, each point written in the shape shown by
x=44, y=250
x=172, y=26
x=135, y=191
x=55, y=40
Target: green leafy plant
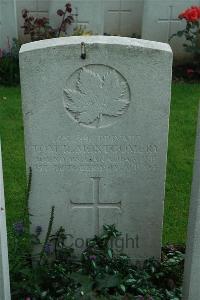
x=191, y=33
x=37, y=28
x=54, y=272
x=98, y=274
x=9, y=64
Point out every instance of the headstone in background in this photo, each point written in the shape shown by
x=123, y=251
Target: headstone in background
x=96, y=132
x=36, y=8
x=88, y=13
x=8, y=23
x=123, y=18
x=160, y=21
x=154, y=20
x=113, y=17
x=191, y=289
x=4, y=267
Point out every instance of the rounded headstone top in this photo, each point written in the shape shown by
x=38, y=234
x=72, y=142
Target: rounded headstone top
x=109, y=40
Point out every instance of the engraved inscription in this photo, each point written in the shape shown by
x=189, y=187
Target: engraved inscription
x=96, y=205
x=96, y=154
x=97, y=96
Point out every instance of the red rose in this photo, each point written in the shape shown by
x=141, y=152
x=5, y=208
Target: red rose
x=191, y=14
x=182, y=15
x=197, y=9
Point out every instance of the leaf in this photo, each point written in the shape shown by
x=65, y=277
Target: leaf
x=123, y=288
x=110, y=253
x=116, y=108
x=115, y=95
x=75, y=101
x=130, y=281
x=91, y=79
x=94, y=264
x=180, y=33
x=86, y=117
x=84, y=280
x=112, y=85
x=109, y=281
x=96, y=96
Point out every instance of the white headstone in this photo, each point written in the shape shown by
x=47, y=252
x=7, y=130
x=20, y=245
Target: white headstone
x=123, y=18
x=113, y=17
x=88, y=14
x=191, y=290
x=8, y=22
x=160, y=21
x=96, y=133
x=4, y=267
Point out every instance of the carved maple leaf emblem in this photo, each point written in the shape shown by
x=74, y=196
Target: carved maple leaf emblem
x=96, y=96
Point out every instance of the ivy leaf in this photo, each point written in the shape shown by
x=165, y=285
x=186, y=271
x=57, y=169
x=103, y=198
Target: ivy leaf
x=180, y=33
x=84, y=280
x=123, y=288
x=109, y=281
x=110, y=253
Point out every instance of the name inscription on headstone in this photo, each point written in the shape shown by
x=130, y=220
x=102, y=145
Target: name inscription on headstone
x=96, y=153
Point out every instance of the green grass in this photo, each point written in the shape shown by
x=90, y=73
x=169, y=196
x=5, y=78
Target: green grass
x=185, y=98
x=11, y=132
x=183, y=117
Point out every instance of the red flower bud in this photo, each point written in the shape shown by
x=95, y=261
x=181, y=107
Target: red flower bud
x=191, y=14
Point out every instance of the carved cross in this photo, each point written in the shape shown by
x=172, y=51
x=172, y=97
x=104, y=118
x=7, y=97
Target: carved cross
x=96, y=203
x=169, y=21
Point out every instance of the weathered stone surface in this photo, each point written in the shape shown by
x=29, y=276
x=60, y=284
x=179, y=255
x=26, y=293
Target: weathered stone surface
x=96, y=136
x=4, y=268
x=191, y=290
